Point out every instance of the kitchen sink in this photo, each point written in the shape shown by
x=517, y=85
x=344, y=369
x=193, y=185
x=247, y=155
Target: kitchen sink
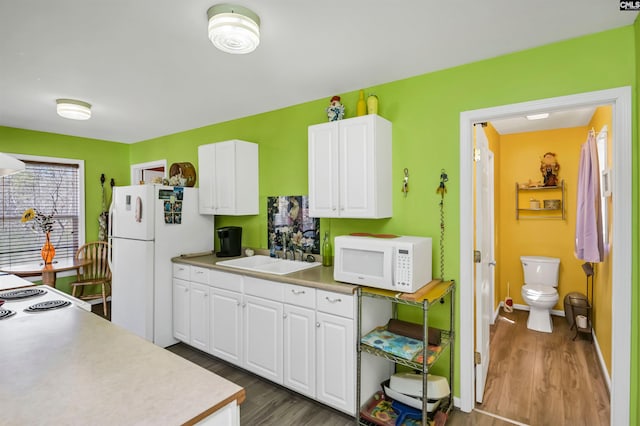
x=268, y=265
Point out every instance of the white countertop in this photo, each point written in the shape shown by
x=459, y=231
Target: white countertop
x=9, y=281
x=71, y=367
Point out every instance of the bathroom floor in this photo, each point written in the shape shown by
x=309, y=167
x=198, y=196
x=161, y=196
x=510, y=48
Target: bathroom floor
x=544, y=379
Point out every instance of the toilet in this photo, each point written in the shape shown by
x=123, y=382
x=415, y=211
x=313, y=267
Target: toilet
x=539, y=290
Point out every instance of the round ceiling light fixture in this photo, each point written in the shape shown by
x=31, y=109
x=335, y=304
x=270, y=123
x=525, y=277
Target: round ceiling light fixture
x=72, y=109
x=233, y=29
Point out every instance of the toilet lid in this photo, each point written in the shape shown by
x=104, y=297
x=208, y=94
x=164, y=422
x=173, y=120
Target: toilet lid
x=540, y=290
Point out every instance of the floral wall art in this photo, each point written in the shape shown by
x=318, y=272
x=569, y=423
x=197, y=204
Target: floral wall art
x=289, y=216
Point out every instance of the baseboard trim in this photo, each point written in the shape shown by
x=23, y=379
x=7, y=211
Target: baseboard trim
x=603, y=366
x=555, y=312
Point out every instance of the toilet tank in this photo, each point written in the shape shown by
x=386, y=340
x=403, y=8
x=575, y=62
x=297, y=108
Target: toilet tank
x=540, y=270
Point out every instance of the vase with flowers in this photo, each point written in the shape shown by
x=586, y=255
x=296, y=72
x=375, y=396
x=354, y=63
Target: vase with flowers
x=42, y=222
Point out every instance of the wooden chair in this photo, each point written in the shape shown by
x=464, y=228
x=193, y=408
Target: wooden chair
x=94, y=274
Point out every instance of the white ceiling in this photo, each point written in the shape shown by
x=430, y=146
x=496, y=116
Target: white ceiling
x=149, y=70
x=557, y=120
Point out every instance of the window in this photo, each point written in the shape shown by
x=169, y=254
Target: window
x=47, y=185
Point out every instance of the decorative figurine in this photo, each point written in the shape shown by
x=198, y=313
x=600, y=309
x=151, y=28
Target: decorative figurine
x=335, y=111
x=549, y=168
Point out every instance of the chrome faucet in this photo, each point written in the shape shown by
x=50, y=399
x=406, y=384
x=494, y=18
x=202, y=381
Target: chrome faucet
x=298, y=250
x=285, y=249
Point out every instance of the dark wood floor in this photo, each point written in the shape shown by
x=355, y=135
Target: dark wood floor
x=534, y=379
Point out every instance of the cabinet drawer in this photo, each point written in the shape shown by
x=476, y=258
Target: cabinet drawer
x=180, y=270
x=199, y=275
x=300, y=296
x=335, y=303
x=270, y=290
x=226, y=281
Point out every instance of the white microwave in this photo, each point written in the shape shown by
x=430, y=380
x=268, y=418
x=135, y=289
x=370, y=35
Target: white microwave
x=400, y=263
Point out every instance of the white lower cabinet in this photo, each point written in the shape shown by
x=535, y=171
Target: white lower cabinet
x=181, y=310
x=226, y=325
x=263, y=338
x=300, y=349
x=191, y=313
x=296, y=336
x=199, y=316
x=336, y=362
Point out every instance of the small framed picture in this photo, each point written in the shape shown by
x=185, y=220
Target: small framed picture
x=605, y=182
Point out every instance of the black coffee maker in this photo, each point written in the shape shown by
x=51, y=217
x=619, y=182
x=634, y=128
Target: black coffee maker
x=230, y=241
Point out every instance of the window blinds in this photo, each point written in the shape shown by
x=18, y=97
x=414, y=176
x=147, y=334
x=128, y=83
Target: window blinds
x=48, y=188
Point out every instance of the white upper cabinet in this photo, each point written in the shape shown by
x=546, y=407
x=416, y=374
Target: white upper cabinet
x=228, y=178
x=350, y=168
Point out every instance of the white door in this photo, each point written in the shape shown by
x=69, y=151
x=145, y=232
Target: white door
x=323, y=170
x=206, y=178
x=226, y=325
x=181, y=310
x=263, y=338
x=299, y=350
x=484, y=277
x=225, y=178
x=335, y=346
x=132, y=286
x=356, y=167
x=131, y=214
x=199, y=316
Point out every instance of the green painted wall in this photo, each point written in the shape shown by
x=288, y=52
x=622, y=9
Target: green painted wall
x=425, y=113
x=99, y=157
x=635, y=303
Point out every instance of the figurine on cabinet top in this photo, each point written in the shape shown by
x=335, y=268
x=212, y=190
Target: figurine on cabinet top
x=335, y=111
x=549, y=168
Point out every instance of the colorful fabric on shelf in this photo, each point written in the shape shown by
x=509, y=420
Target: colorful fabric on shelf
x=400, y=346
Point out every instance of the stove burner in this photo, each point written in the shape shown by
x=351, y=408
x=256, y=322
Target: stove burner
x=22, y=294
x=48, y=305
x=6, y=313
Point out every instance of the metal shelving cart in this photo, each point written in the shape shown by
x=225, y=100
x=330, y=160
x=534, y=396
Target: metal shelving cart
x=436, y=291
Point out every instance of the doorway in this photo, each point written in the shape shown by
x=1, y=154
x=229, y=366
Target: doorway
x=148, y=172
x=620, y=99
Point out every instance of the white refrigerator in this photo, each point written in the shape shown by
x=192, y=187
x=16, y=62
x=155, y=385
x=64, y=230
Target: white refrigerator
x=148, y=225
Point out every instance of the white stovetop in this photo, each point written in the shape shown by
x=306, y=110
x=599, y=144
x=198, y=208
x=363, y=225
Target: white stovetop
x=21, y=304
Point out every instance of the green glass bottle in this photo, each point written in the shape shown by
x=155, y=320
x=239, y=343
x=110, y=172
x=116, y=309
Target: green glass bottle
x=327, y=255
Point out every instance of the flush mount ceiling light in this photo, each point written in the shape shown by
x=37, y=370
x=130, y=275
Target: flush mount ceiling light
x=537, y=116
x=233, y=29
x=10, y=165
x=75, y=110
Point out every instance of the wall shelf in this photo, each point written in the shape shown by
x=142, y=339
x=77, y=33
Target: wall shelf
x=547, y=192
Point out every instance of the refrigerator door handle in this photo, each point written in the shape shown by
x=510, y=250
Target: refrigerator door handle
x=110, y=237
x=138, y=209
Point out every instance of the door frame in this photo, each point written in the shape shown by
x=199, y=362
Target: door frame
x=620, y=99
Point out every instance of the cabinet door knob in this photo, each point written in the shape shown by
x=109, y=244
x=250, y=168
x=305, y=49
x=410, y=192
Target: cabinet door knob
x=318, y=325
x=284, y=315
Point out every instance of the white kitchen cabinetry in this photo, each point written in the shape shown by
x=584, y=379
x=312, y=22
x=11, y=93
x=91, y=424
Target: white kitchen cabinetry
x=199, y=316
x=263, y=325
x=226, y=316
x=226, y=325
x=228, y=176
x=350, y=168
x=335, y=350
x=181, y=310
x=191, y=306
x=300, y=340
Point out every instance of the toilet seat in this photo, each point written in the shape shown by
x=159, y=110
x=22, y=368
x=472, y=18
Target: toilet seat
x=540, y=290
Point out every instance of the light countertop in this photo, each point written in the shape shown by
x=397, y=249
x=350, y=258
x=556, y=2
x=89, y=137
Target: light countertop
x=71, y=367
x=320, y=277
